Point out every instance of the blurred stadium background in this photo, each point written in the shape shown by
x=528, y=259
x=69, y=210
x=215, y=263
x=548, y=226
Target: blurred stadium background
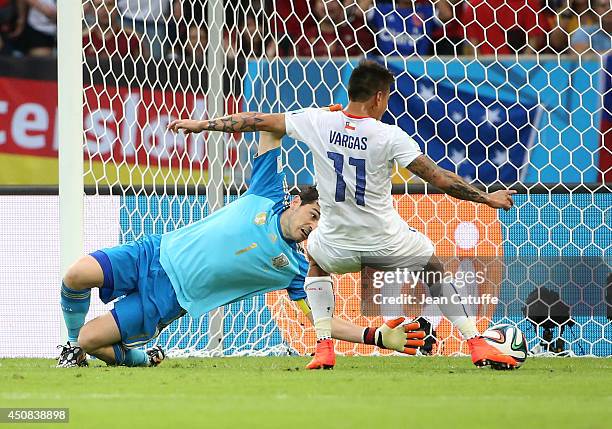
x=508, y=93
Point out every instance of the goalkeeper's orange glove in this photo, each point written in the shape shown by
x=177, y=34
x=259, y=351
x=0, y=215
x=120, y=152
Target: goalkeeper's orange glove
x=396, y=335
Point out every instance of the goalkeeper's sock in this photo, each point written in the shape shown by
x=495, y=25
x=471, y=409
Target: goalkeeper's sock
x=320, y=293
x=75, y=305
x=129, y=357
x=456, y=313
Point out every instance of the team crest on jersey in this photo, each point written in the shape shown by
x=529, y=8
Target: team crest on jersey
x=280, y=261
x=261, y=218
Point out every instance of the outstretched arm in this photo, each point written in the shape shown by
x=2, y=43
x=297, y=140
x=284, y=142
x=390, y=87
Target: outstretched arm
x=455, y=186
x=245, y=122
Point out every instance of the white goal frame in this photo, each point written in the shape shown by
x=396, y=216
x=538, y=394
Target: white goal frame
x=70, y=132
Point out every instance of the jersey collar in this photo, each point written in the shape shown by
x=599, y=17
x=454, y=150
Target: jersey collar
x=354, y=116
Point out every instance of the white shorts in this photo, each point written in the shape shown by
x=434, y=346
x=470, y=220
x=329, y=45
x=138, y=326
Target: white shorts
x=414, y=252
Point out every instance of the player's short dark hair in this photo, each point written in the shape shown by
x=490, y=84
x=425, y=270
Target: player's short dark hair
x=367, y=79
x=309, y=195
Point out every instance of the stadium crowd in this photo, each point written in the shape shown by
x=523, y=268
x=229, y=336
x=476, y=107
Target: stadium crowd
x=176, y=29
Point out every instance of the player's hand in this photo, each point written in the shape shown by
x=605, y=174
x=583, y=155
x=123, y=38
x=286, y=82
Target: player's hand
x=395, y=335
x=501, y=199
x=186, y=125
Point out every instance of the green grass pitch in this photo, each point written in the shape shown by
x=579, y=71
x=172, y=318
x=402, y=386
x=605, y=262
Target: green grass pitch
x=276, y=392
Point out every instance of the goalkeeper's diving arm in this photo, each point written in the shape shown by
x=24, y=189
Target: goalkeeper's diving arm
x=394, y=334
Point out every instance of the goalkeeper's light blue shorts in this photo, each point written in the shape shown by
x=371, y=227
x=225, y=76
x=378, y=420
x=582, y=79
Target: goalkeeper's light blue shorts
x=147, y=301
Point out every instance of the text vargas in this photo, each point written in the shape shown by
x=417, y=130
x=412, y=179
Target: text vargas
x=350, y=142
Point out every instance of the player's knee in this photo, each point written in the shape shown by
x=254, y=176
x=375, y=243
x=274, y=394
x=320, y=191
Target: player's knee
x=88, y=340
x=85, y=341
x=82, y=274
x=72, y=277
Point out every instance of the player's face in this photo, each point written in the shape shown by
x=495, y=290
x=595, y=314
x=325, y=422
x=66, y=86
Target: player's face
x=302, y=221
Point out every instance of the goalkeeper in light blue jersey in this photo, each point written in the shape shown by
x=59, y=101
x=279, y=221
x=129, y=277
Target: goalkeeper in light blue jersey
x=249, y=247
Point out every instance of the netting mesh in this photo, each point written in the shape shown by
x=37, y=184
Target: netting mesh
x=504, y=92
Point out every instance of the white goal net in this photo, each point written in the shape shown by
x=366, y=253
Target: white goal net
x=506, y=93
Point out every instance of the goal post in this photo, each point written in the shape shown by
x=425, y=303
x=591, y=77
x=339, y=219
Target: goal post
x=70, y=134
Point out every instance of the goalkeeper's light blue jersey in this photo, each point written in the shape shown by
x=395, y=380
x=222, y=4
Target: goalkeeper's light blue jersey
x=239, y=250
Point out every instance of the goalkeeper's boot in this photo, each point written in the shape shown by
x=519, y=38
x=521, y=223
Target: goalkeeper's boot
x=71, y=356
x=325, y=356
x=484, y=354
x=156, y=355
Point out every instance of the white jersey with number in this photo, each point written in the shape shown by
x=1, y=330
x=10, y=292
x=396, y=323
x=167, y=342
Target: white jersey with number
x=353, y=160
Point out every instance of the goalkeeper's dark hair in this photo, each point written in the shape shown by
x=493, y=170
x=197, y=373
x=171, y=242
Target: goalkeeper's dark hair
x=367, y=79
x=309, y=195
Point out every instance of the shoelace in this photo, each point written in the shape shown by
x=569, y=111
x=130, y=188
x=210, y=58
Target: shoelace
x=64, y=348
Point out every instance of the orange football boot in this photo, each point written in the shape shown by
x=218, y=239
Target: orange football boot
x=484, y=354
x=325, y=356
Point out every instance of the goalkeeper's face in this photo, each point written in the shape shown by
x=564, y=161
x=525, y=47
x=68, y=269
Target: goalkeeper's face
x=299, y=220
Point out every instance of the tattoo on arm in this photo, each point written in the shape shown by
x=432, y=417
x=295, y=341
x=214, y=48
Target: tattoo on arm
x=241, y=122
x=445, y=180
x=459, y=188
x=212, y=125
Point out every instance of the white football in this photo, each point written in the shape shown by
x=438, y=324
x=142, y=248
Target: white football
x=508, y=339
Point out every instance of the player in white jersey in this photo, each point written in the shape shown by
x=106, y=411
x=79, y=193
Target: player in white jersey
x=354, y=153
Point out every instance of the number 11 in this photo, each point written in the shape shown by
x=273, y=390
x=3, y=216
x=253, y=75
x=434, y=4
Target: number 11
x=360, y=175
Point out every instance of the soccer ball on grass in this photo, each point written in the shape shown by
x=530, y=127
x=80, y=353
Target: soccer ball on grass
x=508, y=339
